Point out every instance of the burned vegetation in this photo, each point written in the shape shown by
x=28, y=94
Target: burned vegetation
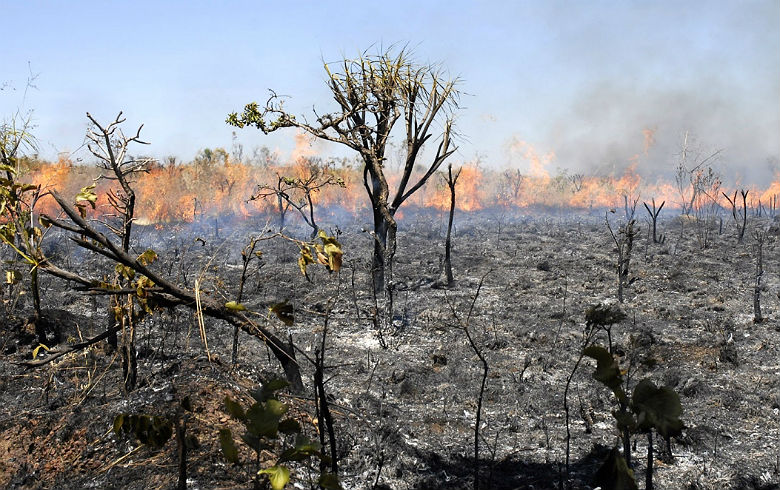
x=545, y=336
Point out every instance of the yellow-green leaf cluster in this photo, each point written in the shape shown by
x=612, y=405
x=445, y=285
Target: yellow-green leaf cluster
x=305, y=259
x=235, y=306
x=332, y=249
x=278, y=476
x=86, y=195
x=148, y=257
x=125, y=272
x=327, y=253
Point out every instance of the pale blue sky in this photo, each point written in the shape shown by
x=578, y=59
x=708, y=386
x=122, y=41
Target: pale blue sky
x=579, y=78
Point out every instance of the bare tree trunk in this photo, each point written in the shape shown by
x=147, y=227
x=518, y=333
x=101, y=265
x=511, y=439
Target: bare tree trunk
x=451, y=181
x=392, y=229
x=654, y=216
x=757, y=317
x=38, y=320
x=448, y=243
x=181, y=446
x=380, y=244
x=129, y=361
x=649, y=469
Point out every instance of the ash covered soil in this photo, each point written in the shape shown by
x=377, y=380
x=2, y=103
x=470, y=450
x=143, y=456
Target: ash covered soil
x=405, y=398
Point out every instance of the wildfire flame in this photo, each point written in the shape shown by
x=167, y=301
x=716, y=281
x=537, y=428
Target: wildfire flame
x=187, y=192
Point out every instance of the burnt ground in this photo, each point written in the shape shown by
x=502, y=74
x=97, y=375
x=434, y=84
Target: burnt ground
x=405, y=401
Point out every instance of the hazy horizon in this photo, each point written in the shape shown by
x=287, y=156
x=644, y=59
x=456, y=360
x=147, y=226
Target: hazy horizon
x=587, y=86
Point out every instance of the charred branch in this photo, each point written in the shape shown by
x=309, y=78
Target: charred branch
x=165, y=290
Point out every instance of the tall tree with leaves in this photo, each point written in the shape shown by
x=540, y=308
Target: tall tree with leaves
x=373, y=92
x=18, y=228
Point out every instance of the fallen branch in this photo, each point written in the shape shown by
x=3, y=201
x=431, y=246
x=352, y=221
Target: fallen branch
x=164, y=291
x=57, y=353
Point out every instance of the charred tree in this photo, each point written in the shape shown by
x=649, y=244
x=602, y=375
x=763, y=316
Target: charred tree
x=464, y=323
x=299, y=192
x=735, y=212
x=512, y=181
x=151, y=287
x=692, y=173
x=451, y=181
x=654, y=216
x=629, y=206
x=372, y=93
x=109, y=145
x=624, y=243
x=759, y=236
x=247, y=254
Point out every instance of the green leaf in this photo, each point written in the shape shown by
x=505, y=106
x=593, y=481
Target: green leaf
x=7, y=168
x=657, y=408
x=329, y=481
x=118, y=421
x=603, y=315
x=276, y=407
x=607, y=370
x=268, y=388
x=274, y=385
x=234, y=409
x=284, y=311
x=254, y=442
x=234, y=306
x=229, y=449
x=625, y=420
x=615, y=474
x=304, y=449
x=278, y=475
x=263, y=418
x=289, y=426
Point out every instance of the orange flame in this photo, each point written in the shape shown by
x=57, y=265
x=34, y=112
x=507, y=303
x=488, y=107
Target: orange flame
x=187, y=192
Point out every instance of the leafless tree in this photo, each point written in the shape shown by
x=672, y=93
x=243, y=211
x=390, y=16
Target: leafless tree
x=109, y=145
x=705, y=206
x=735, y=212
x=654, y=216
x=691, y=172
x=759, y=235
x=512, y=181
x=576, y=182
x=629, y=206
x=624, y=243
x=299, y=192
x=452, y=180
